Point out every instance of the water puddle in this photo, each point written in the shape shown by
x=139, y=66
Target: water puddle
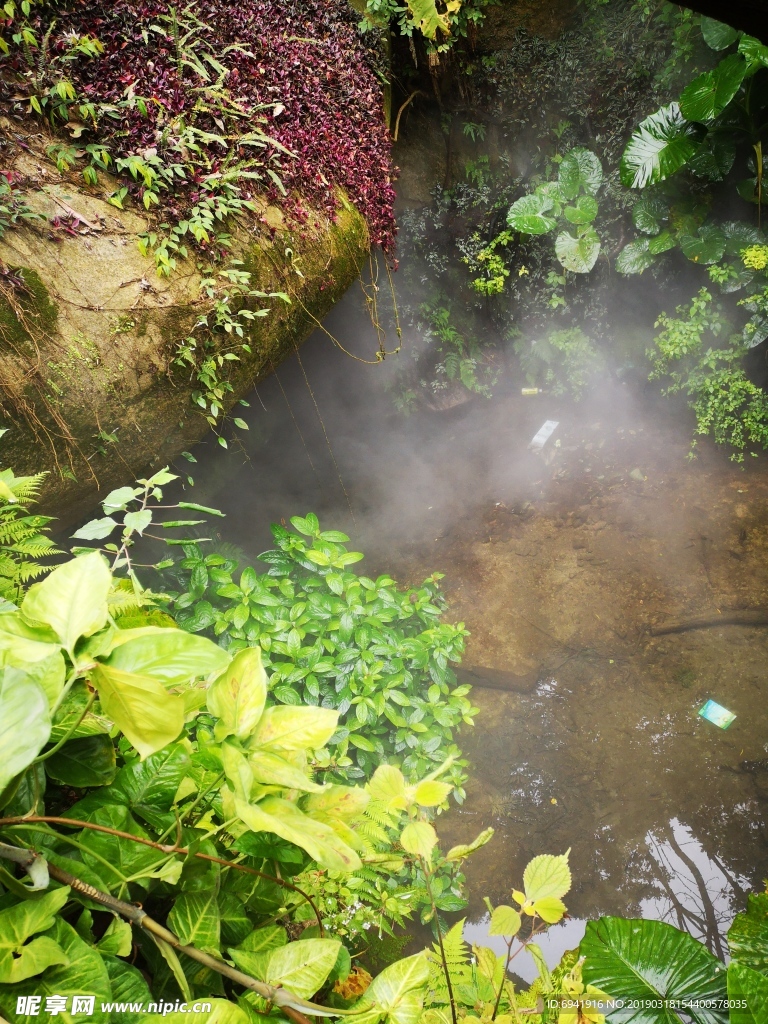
x=559, y=561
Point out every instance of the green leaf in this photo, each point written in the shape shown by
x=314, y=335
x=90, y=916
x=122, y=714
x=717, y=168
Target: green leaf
x=149, y=787
x=431, y=793
x=505, y=921
x=583, y=212
x=750, y=987
x=425, y=16
x=527, y=215
x=119, y=499
x=287, y=821
x=398, y=992
x=84, y=973
x=25, y=723
x=140, y=707
x=464, y=849
x=715, y=157
x=238, y=696
x=707, y=247
x=578, y=255
x=21, y=958
x=717, y=35
x=635, y=257
x=124, y=857
x=171, y=655
x=72, y=600
x=419, y=838
x=272, y=770
x=138, y=521
x=547, y=875
x=748, y=935
x=235, y=923
x=661, y=243
x=128, y=986
x=97, y=529
x=89, y=761
x=549, y=909
x=200, y=508
x=755, y=53
x=292, y=728
x=661, y=145
x=580, y=171
x=649, y=212
x=261, y=940
x=651, y=961
x=195, y=919
x=240, y=423
x=302, y=966
x=117, y=939
x=708, y=95
x=42, y=663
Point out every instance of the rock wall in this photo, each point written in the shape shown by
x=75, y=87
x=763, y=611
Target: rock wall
x=89, y=331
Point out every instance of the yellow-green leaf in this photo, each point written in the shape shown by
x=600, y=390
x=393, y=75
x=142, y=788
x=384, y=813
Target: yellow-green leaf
x=419, y=838
x=238, y=696
x=549, y=909
x=505, y=921
x=388, y=787
x=431, y=794
x=547, y=875
x=344, y=802
x=140, y=707
x=464, y=849
x=273, y=770
x=291, y=728
x=72, y=600
x=285, y=819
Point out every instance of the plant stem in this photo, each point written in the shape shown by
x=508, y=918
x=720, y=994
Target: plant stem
x=503, y=979
x=181, y=851
x=68, y=734
x=446, y=972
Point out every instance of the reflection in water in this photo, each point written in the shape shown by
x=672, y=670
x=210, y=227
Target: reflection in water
x=696, y=892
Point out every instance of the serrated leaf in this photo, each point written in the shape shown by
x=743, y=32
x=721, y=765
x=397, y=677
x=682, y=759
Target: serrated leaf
x=419, y=838
x=547, y=875
x=549, y=909
x=505, y=921
x=432, y=793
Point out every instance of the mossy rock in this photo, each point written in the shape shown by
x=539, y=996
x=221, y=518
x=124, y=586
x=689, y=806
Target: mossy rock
x=87, y=382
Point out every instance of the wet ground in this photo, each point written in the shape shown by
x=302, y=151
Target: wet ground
x=559, y=562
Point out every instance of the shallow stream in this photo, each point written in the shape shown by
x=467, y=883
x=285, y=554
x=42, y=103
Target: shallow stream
x=558, y=562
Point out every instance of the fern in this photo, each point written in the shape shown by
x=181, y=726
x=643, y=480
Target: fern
x=21, y=539
x=457, y=961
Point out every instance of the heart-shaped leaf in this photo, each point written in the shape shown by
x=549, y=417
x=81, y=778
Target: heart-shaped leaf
x=528, y=215
x=578, y=254
x=710, y=93
x=661, y=145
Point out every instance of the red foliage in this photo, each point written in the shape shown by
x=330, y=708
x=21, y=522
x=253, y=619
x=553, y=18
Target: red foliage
x=304, y=55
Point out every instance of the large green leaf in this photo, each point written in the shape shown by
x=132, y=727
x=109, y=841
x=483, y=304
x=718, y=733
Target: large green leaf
x=140, y=707
x=527, y=215
x=755, y=53
x=714, y=158
x=635, y=257
x=749, y=987
x=84, y=973
x=195, y=919
x=273, y=770
x=397, y=992
x=170, y=655
x=717, y=35
x=302, y=967
x=71, y=712
x=707, y=247
x=128, y=986
x=650, y=961
x=235, y=923
x=580, y=171
x=238, y=696
x=115, y=858
x=708, y=95
x=39, y=660
x=261, y=940
x=661, y=145
x=289, y=728
x=748, y=935
x=426, y=17
x=25, y=723
x=649, y=212
x=149, y=787
x=89, y=761
x=583, y=211
x=419, y=838
x=72, y=600
x=578, y=254
x=21, y=958
x=287, y=821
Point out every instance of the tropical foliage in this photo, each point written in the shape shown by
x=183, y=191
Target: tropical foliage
x=22, y=541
